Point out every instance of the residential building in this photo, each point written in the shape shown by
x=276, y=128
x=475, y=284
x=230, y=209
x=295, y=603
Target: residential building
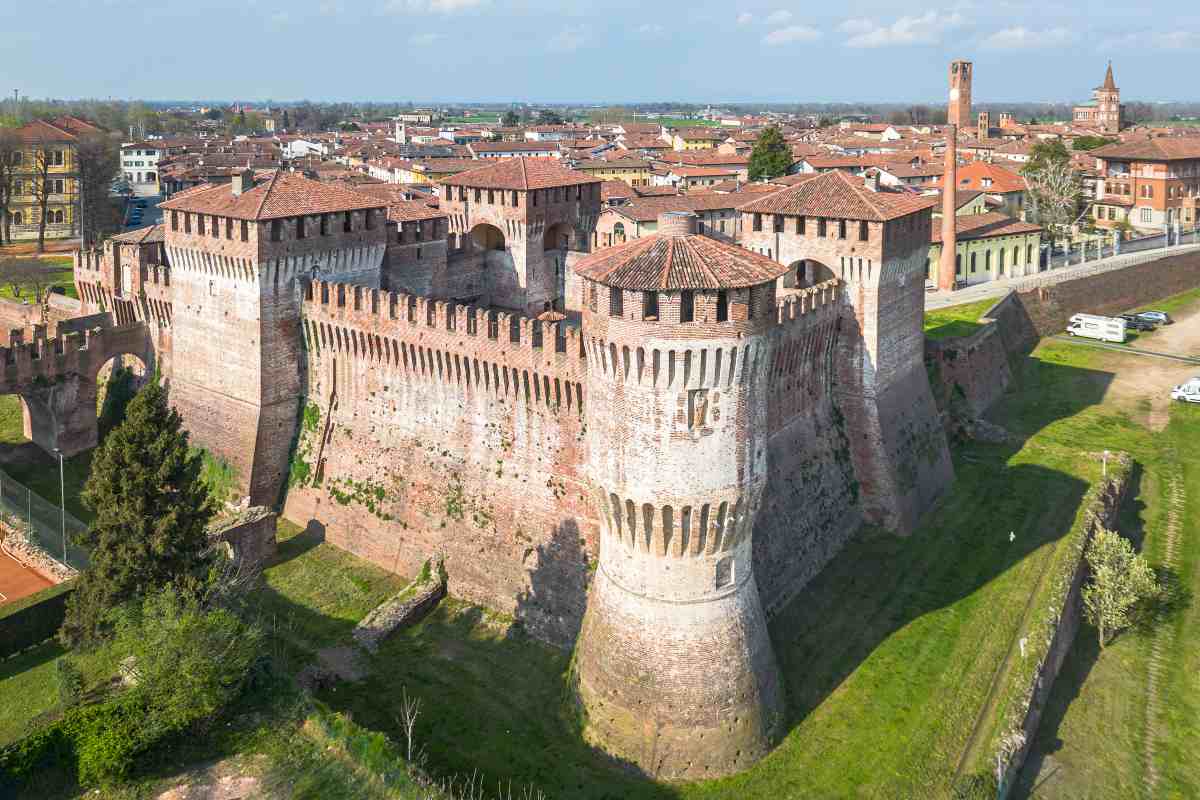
x=139, y=165
x=634, y=171
x=1148, y=183
x=514, y=149
x=695, y=138
x=1004, y=187
x=47, y=173
x=989, y=246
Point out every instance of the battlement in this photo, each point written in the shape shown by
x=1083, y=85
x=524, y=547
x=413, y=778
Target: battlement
x=808, y=300
x=48, y=358
x=434, y=338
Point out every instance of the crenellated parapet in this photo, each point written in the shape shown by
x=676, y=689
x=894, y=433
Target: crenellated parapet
x=446, y=341
x=824, y=295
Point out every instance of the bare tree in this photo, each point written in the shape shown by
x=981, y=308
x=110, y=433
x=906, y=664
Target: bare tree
x=1054, y=187
x=10, y=155
x=410, y=709
x=43, y=187
x=97, y=160
x=24, y=274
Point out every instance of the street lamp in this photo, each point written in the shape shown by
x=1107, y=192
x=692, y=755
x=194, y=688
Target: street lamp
x=62, y=496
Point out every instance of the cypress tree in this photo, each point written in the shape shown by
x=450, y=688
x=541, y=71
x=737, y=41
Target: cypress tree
x=151, y=513
x=771, y=156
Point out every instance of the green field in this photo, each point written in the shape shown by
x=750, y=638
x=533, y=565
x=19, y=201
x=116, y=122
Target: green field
x=898, y=658
x=59, y=272
x=954, y=321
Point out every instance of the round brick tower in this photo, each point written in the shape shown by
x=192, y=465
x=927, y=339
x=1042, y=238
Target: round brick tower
x=675, y=669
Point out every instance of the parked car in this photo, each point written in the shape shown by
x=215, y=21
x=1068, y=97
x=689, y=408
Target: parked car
x=1091, y=326
x=1138, y=323
x=1187, y=392
x=1157, y=317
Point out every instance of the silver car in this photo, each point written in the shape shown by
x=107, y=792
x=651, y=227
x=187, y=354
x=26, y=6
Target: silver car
x=1157, y=317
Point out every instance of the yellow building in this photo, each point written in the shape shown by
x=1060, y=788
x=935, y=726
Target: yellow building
x=697, y=138
x=633, y=171
x=47, y=156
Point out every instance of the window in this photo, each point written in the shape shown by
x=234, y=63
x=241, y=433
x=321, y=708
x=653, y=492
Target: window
x=1146, y=215
x=863, y=231
x=200, y=224
x=276, y=230
x=958, y=264
x=478, y=195
x=1000, y=262
x=18, y=218
x=987, y=261
x=347, y=222
x=370, y=217
x=56, y=186
x=420, y=231
x=300, y=228
x=821, y=227
x=758, y=222
x=514, y=198
x=649, y=305
x=1028, y=254
x=687, y=305
x=324, y=224
x=616, y=300
x=778, y=223
x=491, y=197
x=534, y=195
x=229, y=227
x=722, y=306
x=216, y=227
x=592, y=291
x=187, y=222
x=418, y=254
x=841, y=229
x=800, y=226
x=751, y=297
x=245, y=231
x=174, y=220
x=973, y=263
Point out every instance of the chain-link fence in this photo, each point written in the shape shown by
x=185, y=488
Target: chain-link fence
x=43, y=521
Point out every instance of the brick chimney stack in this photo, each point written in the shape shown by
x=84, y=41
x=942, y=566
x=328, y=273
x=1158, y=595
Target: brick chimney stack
x=945, y=278
x=242, y=181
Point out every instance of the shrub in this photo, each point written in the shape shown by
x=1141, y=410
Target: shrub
x=70, y=682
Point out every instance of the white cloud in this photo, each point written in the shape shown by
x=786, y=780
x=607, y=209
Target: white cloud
x=745, y=18
x=779, y=17
x=791, y=35
x=925, y=29
x=651, y=29
x=1022, y=38
x=423, y=39
x=568, y=40
x=431, y=6
x=858, y=25
x=1160, y=40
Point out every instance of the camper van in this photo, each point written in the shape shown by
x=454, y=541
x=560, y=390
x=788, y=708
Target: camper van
x=1106, y=329
x=1187, y=392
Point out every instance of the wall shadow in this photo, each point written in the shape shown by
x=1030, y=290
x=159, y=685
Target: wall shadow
x=551, y=609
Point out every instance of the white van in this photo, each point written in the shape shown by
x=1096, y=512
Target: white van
x=1187, y=392
x=1106, y=329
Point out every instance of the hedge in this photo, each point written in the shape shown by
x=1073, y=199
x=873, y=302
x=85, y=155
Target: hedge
x=33, y=619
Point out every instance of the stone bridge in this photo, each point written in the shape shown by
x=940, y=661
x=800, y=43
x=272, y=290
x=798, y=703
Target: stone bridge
x=56, y=378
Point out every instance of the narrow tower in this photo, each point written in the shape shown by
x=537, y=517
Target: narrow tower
x=947, y=266
x=675, y=667
x=958, y=113
x=1109, y=112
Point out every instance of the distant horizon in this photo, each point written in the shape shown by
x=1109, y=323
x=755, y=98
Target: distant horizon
x=495, y=51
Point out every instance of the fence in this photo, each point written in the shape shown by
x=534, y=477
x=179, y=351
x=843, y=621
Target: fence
x=1122, y=261
x=42, y=520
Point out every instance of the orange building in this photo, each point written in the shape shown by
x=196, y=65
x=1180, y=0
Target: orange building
x=1148, y=183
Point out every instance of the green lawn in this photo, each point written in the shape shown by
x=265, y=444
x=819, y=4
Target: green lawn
x=889, y=655
x=59, y=272
x=954, y=321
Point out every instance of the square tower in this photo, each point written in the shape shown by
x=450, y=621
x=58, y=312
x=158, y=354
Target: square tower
x=959, y=110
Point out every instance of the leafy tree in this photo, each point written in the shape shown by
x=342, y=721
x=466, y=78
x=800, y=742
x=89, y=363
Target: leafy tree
x=23, y=275
x=213, y=113
x=1090, y=142
x=1120, y=580
x=548, y=116
x=771, y=156
x=10, y=152
x=151, y=511
x=287, y=120
x=510, y=119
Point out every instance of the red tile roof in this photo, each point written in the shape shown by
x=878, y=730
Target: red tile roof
x=984, y=226
x=1160, y=149
x=146, y=235
x=661, y=261
x=841, y=196
x=973, y=175
x=284, y=195
x=522, y=174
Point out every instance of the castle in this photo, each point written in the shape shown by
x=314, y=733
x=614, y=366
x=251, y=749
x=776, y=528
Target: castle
x=641, y=451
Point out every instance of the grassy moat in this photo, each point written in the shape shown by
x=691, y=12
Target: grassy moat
x=895, y=657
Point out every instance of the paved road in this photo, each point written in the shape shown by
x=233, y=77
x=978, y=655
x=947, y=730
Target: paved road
x=151, y=214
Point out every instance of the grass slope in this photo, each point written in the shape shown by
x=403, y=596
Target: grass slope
x=952, y=321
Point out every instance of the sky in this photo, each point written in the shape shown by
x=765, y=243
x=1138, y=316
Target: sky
x=589, y=51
